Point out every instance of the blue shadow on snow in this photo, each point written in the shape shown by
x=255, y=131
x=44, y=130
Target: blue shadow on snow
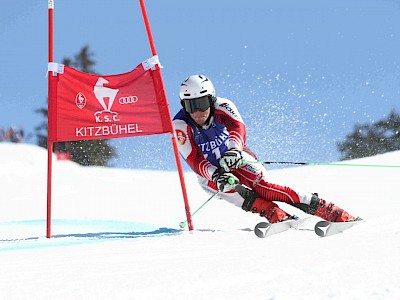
x=18, y=235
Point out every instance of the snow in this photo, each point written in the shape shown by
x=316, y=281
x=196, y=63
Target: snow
x=116, y=236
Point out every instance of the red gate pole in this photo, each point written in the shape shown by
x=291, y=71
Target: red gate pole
x=173, y=138
x=49, y=142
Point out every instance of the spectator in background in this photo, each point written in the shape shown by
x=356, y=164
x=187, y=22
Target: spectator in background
x=12, y=135
x=19, y=135
x=2, y=135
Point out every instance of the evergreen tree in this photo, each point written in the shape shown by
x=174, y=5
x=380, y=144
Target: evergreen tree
x=41, y=130
x=371, y=139
x=86, y=153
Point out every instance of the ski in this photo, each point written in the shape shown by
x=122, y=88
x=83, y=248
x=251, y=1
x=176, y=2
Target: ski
x=326, y=228
x=321, y=228
x=264, y=229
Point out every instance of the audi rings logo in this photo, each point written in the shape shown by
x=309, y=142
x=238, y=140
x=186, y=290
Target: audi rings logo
x=128, y=100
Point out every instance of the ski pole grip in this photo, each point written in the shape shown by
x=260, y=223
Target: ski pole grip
x=231, y=180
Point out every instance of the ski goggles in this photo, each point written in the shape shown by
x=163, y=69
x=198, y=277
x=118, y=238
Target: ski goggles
x=192, y=105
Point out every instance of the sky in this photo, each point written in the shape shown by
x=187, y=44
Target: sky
x=110, y=240
x=302, y=73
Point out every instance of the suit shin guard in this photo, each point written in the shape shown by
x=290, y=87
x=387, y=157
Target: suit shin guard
x=248, y=195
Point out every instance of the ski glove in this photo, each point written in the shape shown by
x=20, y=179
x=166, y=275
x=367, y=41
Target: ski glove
x=231, y=159
x=225, y=181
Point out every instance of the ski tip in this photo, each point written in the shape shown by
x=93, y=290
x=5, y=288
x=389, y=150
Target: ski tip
x=261, y=229
x=326, y=228
x=321, y=228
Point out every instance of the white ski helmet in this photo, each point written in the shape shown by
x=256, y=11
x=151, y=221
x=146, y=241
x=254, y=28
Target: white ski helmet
x=196, y=86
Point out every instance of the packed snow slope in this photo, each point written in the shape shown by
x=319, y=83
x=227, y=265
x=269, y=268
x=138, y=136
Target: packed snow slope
x=116, y=236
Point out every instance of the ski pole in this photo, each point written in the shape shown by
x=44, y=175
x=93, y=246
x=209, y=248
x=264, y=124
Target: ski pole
x=318, y=164
x=183, y=223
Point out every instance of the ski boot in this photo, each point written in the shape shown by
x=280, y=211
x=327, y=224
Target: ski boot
x=328, y=211
x=255, y=204
x=269, y=210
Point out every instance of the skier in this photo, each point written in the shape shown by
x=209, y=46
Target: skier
x=211, y=138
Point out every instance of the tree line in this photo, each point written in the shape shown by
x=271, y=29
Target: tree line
x=369, y=139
